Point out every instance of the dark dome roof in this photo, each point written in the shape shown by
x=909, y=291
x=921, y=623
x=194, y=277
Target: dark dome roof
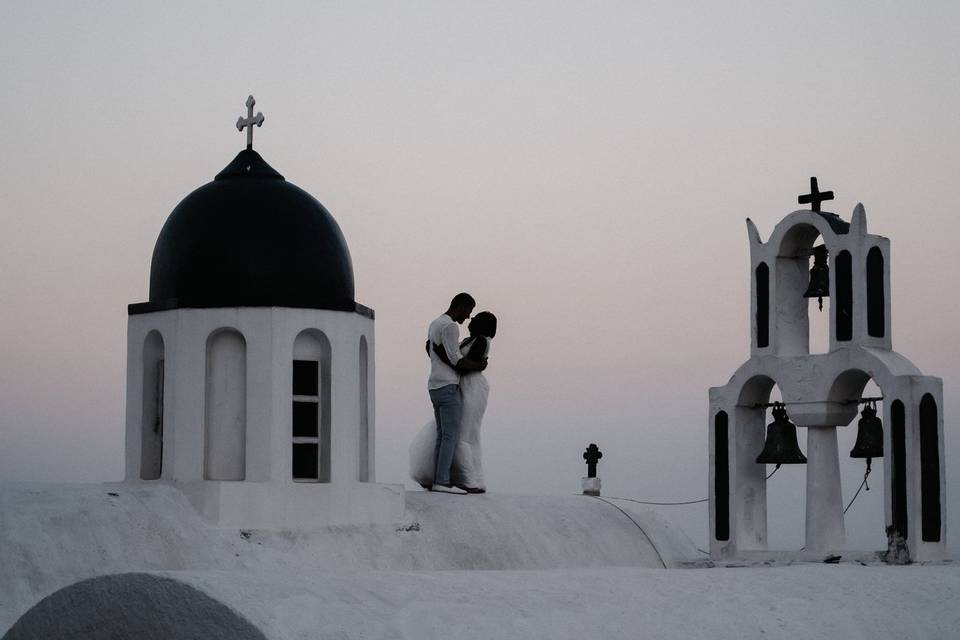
x=250, y=239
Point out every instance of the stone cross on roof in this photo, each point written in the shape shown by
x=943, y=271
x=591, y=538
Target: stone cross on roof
x=592, y=455
x=249, y=121
x=815, y=197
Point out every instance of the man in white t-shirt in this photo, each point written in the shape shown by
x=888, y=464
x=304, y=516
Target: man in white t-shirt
x=444, y=385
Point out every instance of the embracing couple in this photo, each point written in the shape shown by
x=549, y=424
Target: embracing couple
x=445, y=455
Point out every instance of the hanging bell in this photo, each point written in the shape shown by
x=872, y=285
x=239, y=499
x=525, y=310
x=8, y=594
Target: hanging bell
x=819, y=286
x=781, y=446
x=869, y=435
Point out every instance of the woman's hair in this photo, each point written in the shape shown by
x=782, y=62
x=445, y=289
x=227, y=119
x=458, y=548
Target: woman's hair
x=483, y=324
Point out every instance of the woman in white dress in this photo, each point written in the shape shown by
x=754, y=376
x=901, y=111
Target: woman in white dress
x=467, y=469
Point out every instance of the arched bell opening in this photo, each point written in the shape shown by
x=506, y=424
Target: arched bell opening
x=819, y=307
x=748, y=503
x=786, y=485
x=768, y=513
x=865, y=434
x=803, y=292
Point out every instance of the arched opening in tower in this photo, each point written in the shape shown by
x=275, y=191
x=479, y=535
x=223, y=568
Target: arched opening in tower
x=864, y=522
x=804, y=291
x=770, y=506
x=819, y=309
x=786, y=490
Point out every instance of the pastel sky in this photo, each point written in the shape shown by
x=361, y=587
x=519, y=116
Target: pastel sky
x=583, y=168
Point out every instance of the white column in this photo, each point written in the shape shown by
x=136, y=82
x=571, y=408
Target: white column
x=825, y=530
x=345, y=406
x=748, y=488
x=134, y=429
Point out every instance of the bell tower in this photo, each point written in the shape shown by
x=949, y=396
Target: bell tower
x=823, y=392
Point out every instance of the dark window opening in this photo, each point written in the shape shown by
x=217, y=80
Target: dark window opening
x=899, y=468
x=721, y=478
x=929, y=470
x=311, y=407
x=844, y=296
x=305, y=419
x=876, y=303
x=305, y=377
x=763, y=305
x=305, y=456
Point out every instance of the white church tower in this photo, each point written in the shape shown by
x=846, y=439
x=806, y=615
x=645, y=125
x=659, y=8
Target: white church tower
x=250, y=370
x=822, y=392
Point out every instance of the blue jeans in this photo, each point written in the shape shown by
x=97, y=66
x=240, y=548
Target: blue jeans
x=448, y=411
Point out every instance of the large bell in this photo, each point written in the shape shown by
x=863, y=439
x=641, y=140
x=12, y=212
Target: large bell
x=781, y=446
x=819, y=286
x=869, y=435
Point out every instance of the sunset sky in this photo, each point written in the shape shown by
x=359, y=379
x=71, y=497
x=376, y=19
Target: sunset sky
x=582, y=168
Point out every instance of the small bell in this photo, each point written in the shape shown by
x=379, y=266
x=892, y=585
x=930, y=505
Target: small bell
x=781, y=446
x=869, y=436
x=819, y=286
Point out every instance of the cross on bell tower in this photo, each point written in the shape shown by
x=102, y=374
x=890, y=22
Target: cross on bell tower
x=249, y=121
x=815, y=197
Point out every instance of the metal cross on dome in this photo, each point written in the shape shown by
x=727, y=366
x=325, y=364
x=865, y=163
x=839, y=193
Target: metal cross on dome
x=249, y=121
x=815, y=197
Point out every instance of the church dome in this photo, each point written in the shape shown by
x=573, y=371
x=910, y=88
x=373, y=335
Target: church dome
x=250, y=239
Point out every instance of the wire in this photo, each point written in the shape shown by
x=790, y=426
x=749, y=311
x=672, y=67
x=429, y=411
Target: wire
x=666, y=504
x=850, y=504
x=679, y=502
x=661, y=504
x=617, y=507
x=862, y=485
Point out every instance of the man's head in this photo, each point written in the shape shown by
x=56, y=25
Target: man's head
x=461, y=307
